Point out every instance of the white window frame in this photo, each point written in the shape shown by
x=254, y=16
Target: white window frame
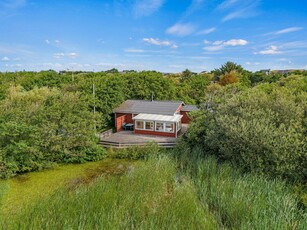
x=136, y=121
x=178, y=127
x=144, y=125
x=174, y=127
x=155, y=126
x=163, y=124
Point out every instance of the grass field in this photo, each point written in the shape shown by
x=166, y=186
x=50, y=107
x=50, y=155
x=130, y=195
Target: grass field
x=158, y=193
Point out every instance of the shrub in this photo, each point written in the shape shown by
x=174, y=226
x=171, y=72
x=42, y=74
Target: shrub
x=136, y=152
x=258, y=129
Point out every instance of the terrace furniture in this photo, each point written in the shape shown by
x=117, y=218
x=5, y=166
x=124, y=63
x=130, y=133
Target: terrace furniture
x=129, y=126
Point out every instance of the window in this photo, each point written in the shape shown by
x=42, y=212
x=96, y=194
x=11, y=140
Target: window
x=149, y=125
x=169, y=127
x=178, y=125
x=159, y=126
x=139, y=125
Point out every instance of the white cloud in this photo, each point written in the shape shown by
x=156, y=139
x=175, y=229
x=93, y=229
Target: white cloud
x=177, y=66
x=218, y=45
x=206, y=31
x=181, y=29
x=235, y=42
x=269, y=51
x=234, y=15
x=240, y=9
x=213, y=48
x=289, y=30
x=71, y=55
x=15, y=65
x=134, y=50
x=110, y=65
x=226, y=4
x=52, y=42
x=146, y=7
x=157, y=42
x=58, y=55
x=194, y=6
x=5, y=59
x=51, y=65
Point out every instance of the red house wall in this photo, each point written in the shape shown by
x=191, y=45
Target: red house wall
x=148, y=132
x=185, y=119
x=120, y=119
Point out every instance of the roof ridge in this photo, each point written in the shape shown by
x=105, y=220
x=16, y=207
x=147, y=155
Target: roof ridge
x=155, y=100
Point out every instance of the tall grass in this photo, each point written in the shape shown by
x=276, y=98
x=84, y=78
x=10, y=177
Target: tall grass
x=147, y=197
x=242, y=201
x=24, y=189
x=161, y=192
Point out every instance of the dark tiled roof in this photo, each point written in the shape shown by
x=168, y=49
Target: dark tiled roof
x=188, y=108
x=149, y=107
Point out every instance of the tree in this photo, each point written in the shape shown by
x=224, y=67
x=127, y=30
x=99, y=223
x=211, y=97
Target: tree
x=43, y=126
x=186, y=74
x=229, y=78
x=227, y=68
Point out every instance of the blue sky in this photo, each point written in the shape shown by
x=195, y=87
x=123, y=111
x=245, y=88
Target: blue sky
x=163, y=35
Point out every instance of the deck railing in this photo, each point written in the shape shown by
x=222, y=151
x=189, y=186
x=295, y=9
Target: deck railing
x=106, y=133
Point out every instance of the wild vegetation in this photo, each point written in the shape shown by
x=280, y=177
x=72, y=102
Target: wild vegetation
x=184, y=192
x=242, y=164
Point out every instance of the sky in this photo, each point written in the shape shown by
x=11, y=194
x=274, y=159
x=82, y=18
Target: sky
x=162, y=35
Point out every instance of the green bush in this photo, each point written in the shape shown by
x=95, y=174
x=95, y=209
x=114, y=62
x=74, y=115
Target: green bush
x=258, y=129
x=136, y=152
x=43, y=126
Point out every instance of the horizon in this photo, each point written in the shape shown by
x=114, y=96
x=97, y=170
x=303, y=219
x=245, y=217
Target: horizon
x=138, y=71
x=159, y=35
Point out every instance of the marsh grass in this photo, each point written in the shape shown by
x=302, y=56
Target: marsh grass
x=163, y=192
x=18, y=192
x=146, y=197
x=242, y=201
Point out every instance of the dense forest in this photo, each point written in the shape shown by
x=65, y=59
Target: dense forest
x=256, y=122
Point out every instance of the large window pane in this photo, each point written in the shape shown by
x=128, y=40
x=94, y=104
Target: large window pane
x=139, y=125
x=149, y=125
x=159, y=126
x=169, y=127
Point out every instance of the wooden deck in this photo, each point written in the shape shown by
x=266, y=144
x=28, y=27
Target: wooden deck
x=124, y=139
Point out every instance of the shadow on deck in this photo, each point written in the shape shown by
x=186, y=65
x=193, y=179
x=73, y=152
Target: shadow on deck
x=125, y=139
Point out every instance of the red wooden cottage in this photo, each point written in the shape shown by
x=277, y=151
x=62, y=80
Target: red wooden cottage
x=161, y=118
